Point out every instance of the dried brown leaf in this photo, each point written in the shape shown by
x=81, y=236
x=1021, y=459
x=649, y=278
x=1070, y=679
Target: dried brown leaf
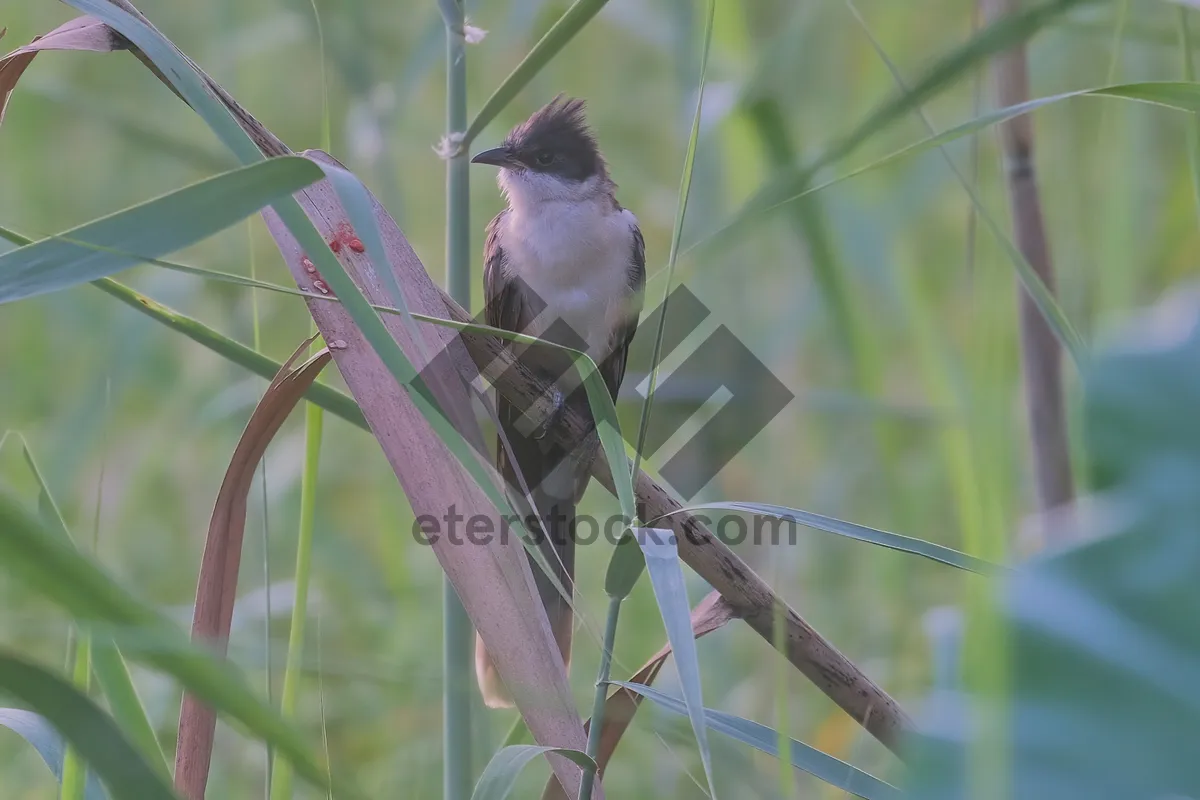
x=492, y=579
x=216, y=588
x=81, y=33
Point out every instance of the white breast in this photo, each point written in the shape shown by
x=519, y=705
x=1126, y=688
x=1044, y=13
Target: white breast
x=576, y=257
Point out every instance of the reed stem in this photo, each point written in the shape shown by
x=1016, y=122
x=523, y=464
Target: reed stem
x=457, y=634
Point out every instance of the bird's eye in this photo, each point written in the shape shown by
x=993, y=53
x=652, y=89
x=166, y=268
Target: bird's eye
x=544, y=158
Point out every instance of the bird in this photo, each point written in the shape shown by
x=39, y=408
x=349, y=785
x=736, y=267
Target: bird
x=564, y=262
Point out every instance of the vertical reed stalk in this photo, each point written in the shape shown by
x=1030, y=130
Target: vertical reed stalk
x=596, y=728
x=457, y=635
x=1041, y=356
x=1193, y=126
x=279, y=775
x=74, y=771
x=281, y=772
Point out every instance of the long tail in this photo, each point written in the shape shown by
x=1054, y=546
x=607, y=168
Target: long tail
x=554, y=491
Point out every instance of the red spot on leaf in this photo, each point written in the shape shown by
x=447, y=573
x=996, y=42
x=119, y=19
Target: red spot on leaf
x=345, y=232
x=335, y=244
x=308, y=265
x=321, y=286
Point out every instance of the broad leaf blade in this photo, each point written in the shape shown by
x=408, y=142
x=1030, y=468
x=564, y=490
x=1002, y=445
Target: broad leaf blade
x=53, y=569
x=709, y=615
x=670, y=592
x=337, y=403
x=1104, y=699
x=109, y=667
x=500, y=775
x=892, y=541
x=86, y=727
x=832, y=770
x=151, y=229
x=34, y=729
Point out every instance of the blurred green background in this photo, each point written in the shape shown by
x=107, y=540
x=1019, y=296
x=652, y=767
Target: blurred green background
x=99, y=390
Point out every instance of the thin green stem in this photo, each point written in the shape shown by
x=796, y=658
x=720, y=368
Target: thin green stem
x=685, y=186
x=457, y=634
x=279, y=779
x=321, y=701
x=602, y=675
x=74, y=774
x=266, y=525
x=281, y=785
x=1193, y=126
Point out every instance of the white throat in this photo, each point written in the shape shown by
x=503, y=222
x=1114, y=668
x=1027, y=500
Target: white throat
x=571, y=245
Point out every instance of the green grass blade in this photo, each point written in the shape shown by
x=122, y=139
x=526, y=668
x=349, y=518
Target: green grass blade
x=995, y=38
x=281, y=771
x=335, y=402
x=178, y=69
x=501, y=773
x=111, y=671
x=685, y=186
x=86, y=727
x=1193, y=124
x=153, y=228
x=1001, y=35
x=892, y=541
x=811, y=225
x=42, y=736
x=1177, y=95
x=1042, y=297
x=625, y=567
x=560, y=33
x=458, y=658
x=132, y=127
x=596, y=726
x=670, y=592
x=833, y=771
x=55, y=570
x=75, y=769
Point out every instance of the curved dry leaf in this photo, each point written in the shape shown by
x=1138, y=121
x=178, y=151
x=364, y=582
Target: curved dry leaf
x=492, y=577
x=81, y=33
x=216, y=588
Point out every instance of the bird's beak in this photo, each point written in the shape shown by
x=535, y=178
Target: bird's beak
x=497, y=157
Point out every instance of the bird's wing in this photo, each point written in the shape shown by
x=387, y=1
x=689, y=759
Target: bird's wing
x=613, y=367
x=526, y=461
x=504, y=305
x=504, y=308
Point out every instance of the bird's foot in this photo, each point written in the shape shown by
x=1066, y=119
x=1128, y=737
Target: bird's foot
x=553, y=417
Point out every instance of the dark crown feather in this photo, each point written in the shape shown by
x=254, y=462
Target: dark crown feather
x=560, y=127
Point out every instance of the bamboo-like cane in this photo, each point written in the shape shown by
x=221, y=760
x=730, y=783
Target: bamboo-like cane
x=458, y=637
x=1041, y=352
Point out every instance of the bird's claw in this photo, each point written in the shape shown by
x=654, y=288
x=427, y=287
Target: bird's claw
x=553, y=417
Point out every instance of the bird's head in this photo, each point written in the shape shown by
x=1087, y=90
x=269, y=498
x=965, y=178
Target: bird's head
x=550, y=156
